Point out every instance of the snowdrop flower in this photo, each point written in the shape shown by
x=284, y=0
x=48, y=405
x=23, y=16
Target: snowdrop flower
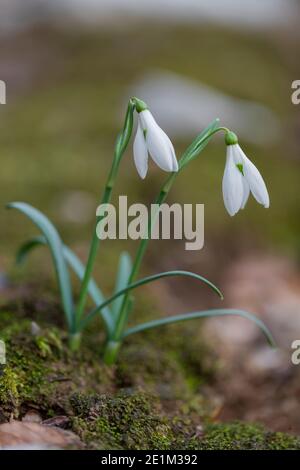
x=240, y=178
x=150, y=138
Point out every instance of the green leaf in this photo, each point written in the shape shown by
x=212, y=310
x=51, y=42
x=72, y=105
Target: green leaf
x=124, y=271
x=146, y=280
x=27, y=247
x=198, y=144
x=78, y=268
x=55, y=244
x=202, y=314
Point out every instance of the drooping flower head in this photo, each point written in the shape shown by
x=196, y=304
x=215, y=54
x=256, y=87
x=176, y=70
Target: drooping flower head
x=151, y=139
x=240, y=178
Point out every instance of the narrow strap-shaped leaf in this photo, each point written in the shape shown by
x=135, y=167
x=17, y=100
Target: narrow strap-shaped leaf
x=78, y=268
x=27, y=247
x=201, y=314
x=146, y=280
x=93, y=289
x=55, y=244
x=124, y=270
x=198, y=144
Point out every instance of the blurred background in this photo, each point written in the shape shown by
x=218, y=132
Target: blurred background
x=70, y=68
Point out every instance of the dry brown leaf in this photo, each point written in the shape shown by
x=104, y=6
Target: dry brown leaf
x=58, y=421
x=22, y=434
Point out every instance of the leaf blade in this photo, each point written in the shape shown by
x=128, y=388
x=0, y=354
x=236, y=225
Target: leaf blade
x=123, y=273
x=78, y=267
x=201, y=314
x=146, y=280
x=55, y=244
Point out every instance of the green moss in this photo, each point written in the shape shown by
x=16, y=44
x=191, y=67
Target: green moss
x=9, y=386
x=46, y=343
x=243, y=436
x=281, y=441
x=126, y=421
x=26, y=376
x=40, y=371
x=136, y=421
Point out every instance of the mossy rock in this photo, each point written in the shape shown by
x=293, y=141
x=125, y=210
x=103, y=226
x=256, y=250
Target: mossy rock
x=151, y=399
x=40, y=373
x=126, y=421
x=173, y=362
x=244, y=436
x=135, y=420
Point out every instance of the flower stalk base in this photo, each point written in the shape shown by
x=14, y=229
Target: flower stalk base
x=111, y=352
x=74, y=341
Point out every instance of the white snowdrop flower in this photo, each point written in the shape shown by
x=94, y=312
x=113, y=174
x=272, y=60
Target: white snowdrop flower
x=150, y=138
x=240, y=178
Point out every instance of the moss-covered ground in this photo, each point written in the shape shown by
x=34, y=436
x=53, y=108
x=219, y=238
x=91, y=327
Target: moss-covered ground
x=151, y=399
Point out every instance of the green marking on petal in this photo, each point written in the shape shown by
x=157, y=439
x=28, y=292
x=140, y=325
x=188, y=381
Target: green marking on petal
x=240, y=168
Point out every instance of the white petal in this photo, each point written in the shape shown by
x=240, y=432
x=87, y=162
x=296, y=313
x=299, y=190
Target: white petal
x=246, y=193
x=239, y=160
x=255, y=181
x=237, y=154
x=146, y=119
x=232, y=185
x=158, y=143
x=175, y=164
x=174, y=159
x=140, y=153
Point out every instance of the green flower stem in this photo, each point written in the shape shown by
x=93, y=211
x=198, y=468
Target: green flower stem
x=122, y=317
x=187, y=157
x=120, y=148
x=90, y=263
x=144, y=242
